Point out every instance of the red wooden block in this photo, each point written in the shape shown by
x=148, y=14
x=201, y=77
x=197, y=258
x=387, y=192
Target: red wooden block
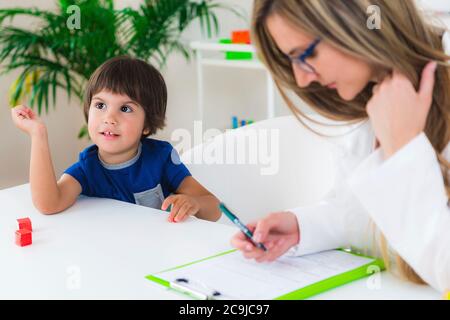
x=25, y=223
x=23, y=237
x=240, y=36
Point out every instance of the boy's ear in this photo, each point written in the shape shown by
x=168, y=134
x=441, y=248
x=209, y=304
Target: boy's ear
x=146, y=131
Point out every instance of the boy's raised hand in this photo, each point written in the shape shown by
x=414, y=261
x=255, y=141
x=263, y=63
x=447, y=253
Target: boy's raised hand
x=26, y=120
x=183, y=206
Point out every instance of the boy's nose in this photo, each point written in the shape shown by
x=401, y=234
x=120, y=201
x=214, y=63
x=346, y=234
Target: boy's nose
x=109, y=119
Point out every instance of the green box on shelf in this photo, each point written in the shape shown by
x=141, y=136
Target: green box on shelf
x=232, y=55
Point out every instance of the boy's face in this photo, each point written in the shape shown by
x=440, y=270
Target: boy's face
x=115, y=124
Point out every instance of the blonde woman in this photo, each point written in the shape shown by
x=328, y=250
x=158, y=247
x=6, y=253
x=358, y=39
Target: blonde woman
x=394, y=82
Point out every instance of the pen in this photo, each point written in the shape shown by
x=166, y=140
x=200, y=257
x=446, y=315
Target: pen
x=241, y=226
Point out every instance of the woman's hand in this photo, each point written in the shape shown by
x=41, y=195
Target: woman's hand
x=278, y=232
x=398, y=112
x=26, y=120
x=183, y=206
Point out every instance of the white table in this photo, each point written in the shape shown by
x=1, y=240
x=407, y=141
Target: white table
x=103, y=249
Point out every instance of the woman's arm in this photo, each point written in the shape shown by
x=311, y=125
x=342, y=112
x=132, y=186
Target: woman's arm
x=405, y=194
x=406, y=197
x=337, y=221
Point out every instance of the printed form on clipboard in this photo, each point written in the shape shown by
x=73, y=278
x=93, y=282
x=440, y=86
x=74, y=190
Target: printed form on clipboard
x=230, y=276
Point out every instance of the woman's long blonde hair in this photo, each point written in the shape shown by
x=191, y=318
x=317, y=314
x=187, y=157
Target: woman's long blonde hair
x=404, y=42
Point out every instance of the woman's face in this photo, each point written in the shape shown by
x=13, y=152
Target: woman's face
x=334, y=69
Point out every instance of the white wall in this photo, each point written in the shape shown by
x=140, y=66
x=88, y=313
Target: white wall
x=436, y=4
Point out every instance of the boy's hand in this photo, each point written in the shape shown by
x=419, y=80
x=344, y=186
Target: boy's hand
x=26, y=120
x=183, y=206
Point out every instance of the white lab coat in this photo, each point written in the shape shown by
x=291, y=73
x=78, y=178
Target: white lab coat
x=403, y=196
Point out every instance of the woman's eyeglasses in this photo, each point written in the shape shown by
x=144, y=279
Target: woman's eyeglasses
x=300, y=60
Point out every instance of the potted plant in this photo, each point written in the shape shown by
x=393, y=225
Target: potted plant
x=54, y=56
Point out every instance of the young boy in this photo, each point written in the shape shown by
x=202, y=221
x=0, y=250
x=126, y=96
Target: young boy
x=125, y=102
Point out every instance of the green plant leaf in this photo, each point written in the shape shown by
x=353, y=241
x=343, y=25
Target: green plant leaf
x=83, y=132
x=59, y=58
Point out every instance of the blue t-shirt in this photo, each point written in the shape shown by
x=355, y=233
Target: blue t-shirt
x=152, y=175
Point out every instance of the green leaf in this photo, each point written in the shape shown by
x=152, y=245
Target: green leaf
x=83, y=132
x=67, y=58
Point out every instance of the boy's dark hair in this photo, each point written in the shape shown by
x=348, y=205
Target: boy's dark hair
x=137, y=79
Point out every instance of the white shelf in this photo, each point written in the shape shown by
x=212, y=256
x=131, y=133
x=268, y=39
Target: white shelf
x=245, y=64
x=214, y=46
x=202, y=61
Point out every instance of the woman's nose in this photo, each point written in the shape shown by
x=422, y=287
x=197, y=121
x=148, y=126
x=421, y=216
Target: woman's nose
x=303, y=78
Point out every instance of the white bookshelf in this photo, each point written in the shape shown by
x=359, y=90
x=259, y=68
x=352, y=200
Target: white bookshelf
x=212, y=54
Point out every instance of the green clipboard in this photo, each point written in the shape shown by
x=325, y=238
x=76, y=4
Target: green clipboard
x=302, y=293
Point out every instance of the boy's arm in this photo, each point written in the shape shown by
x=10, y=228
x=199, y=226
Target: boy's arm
x=49, y=196
x=207, y=203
